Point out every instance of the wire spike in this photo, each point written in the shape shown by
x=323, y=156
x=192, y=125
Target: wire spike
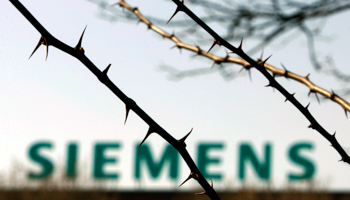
x=149, y=26
x=201, y=193
x=287, y=97
x=176, y=11
x=188, y=178
x=346, y=113
x=342, y=159
x=107, y=68
x=307, y=106
x=285, y=74
x=116, y=4
x=334, y=134
x=285, y=69
x=307, y=76
x=310, y=91
x=263, y=62
x=333, y=95
x=127, y=109
x=182, y=140
x=78, y=46
x=250, y=75
x=213, y=64
x=261, y=55
x=41, y=41
x=149, y=132
x=318, y=100
x=268, y=85
x=47, y=49
x=199, y=49
x=310, y=126
x=240, y=44
x=214, y=43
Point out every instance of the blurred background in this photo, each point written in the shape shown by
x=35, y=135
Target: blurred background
x=62, y=130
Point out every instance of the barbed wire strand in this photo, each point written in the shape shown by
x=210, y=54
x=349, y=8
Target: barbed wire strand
x=313, y=88
x=78, y=52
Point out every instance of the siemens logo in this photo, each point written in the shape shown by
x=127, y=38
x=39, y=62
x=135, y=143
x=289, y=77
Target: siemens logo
x=145, y=163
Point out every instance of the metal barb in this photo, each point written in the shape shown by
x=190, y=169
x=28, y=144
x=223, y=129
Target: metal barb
x=310, y=91
x=116, y=4
x=291, y=95
x=177, y=46
x=182, y=140
x=192, y=175
x=269, y=85
x=199, y=50
x=263, y=62
x=44, y=42
x=261, y=55
x=239, y=48
x=107, y=68
x=307, y=106
x=307, y=76
x=333, y=95
x=214, y=43
x=240, y=44
x=226, y=57
x=176, y=11
x=285, y=74
x=285, y=69
x=346, y=113
x=201, y=193
x=212, y=66
x=149, y=132
x=127, y=109
x=78, y=46
x=318, y=100
x=250, y=75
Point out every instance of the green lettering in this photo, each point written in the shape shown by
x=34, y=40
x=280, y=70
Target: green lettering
x=204, y=160
x=262, y=168
x=47, y=166
x=143, y=154
x=72, y=160
x=101, y=160
x=307, y=164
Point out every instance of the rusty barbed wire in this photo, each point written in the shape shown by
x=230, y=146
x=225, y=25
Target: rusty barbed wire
x=305, y=80
x=78, y=52
x=260, y=66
